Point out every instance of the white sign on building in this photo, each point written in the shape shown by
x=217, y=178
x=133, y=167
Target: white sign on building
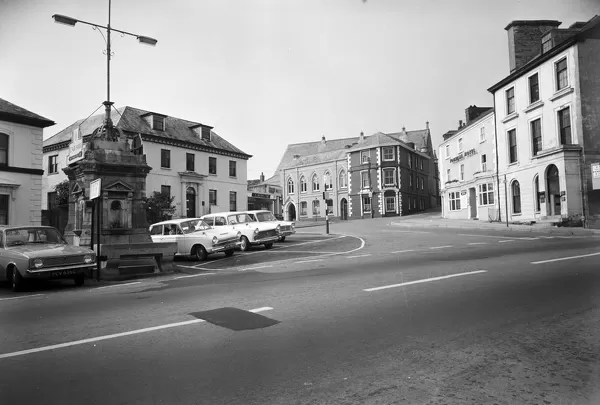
x=596, y=176
x=76, y=147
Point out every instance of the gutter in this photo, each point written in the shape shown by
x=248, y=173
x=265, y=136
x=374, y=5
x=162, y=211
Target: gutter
x=498, y=163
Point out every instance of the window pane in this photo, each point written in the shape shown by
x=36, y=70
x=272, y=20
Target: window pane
x=212, y=165
x=534, y=89
x=190, y=162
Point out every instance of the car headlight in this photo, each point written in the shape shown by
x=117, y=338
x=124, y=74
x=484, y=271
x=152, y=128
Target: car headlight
x=256, y=231
x=215, y=240
x=88, y=258
x=38, y=263
x=239, y=234
x=278, y=228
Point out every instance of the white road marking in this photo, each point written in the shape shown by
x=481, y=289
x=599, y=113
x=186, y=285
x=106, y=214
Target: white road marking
x=307, y=261
x=114, y=335
x=426, y=280
x=302, y=251
x=504, y=241
x=23, y=296
x=500, y=237
x=403, y=251
x=565, y=258
x=116, y=285
x=477, y=243
x=255, y=268
x=192, y=275
x=399, y=231
x=440, y=247
x=352, y=257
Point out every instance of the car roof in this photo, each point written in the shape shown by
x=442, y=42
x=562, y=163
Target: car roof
x=257, y=211
x=175, y=221
x=4, y=227
x=224, y=213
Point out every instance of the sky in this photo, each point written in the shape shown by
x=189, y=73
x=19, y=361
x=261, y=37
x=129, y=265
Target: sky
x=268, y=73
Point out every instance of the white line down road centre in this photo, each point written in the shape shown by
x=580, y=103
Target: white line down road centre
x=426, y=280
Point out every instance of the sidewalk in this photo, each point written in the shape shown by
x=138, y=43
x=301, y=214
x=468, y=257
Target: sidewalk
x=436, y=221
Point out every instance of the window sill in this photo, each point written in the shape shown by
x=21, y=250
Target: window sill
x=534, y=106
x=513, y=164
x=561, y=93
x=233, y=177
x=510, y=117
x=516, y=215
x=53, y=173
x=558, y=149
x=212, y=174
x=165, y=168
x=482, y=141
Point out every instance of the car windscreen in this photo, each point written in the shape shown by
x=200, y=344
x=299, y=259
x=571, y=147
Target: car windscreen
x=193, y=226
x=238, y=219
x=265, y=216
x=24, y=236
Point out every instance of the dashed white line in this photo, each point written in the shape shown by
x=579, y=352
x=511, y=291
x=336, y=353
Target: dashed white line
x=565, y=258
x=116, y=285
x=21, y=297
x=426, y=280
x=478, y=243
x=115, y=335
x=192, y=275
x=403, y=251
x=505, y=241
x=352, y=257
x=440, y=247
x=308, y=261
x=256, y=268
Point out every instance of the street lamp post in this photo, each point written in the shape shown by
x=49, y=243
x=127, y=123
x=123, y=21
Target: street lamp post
x=62, y=19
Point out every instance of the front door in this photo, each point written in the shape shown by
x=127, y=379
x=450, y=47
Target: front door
x=553, y=187
x=473, y=203
x=291, y=213
x=344, y=209
x=190, y=202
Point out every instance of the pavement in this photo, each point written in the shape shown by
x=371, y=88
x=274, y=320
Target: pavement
x=372, y=314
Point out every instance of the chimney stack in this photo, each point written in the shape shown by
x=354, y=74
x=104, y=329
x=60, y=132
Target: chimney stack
x=362, y=136
x=262, y=177
x=473, y=112
x=323, y=139
x=460, y=124
x=524, y=40
x=426, y=124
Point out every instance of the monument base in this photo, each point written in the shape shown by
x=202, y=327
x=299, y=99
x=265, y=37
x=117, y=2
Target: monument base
x=126, y=261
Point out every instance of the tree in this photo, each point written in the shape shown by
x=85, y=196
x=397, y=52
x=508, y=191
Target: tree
x=159, y=207
x=62, y=193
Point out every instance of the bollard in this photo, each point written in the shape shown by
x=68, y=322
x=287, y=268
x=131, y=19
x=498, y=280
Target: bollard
x=327, y=225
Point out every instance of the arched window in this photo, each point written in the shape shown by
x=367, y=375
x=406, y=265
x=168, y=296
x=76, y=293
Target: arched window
x=516, y=197
x=343, y=179
x=327, y=181
x=303, y=186
x=315, y=183
x=290, y=186
x=3, y=149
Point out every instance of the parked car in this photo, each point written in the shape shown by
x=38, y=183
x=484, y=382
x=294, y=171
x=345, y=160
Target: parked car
x=286, y=228
x=195, y=237
x=40, y=252
x=253, y=233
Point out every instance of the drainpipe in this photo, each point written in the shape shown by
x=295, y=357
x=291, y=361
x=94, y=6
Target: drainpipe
x=584, y=192
x=498, y=165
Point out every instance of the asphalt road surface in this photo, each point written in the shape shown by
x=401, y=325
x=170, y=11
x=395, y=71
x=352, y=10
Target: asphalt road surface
x=372, y=314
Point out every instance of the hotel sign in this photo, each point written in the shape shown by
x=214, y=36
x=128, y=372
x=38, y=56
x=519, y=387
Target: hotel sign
x=463, y=155
x=76, y=147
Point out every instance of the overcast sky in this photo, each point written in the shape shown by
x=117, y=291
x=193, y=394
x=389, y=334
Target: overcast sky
x=266, y=73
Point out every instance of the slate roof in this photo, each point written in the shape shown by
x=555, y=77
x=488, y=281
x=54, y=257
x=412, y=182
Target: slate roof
x=452, y=133
x=13, y=113
x=317, y=152
x=130, y=120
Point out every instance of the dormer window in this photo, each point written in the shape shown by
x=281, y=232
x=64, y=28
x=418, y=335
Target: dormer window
x=202, y=131
x=206, y=133
x=158, y=123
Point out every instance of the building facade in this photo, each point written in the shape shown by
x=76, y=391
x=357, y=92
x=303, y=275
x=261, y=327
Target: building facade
x=21, y=170
x=468, y=168
x=328, y=177
x=265, y=195
x=548, y=123
x=189, y=161
x=387, y=177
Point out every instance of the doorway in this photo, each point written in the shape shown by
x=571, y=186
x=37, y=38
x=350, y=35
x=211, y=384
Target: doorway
x=190, y=202
x=344, y=209
x=291, y=213
x=553, y=187
x=472, y=203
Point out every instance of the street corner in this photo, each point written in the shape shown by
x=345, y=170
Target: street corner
x=298, y=248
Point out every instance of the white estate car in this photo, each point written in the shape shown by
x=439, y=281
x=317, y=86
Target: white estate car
x=253, y=233
x=286, y=228
x=194, y=237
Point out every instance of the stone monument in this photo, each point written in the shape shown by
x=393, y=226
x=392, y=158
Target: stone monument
x=126, y=248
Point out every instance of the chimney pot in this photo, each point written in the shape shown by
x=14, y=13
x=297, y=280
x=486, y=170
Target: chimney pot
x=427, y=124
x=460, y=124
x=524, y=40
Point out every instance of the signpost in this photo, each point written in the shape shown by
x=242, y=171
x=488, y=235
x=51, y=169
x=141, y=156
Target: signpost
x=595, y=176
x=95, y=187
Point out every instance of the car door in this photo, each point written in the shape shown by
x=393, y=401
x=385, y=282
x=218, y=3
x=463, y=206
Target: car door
x=172, y=233
x=156, y=233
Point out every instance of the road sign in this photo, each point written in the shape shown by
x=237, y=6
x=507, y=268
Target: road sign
x=595, y=176
x=75, y=147
x=95, y=186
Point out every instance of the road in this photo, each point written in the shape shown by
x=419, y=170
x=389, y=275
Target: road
x=373, y=314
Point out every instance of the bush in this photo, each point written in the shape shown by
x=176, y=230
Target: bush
x=62, y=193
x=159, y=207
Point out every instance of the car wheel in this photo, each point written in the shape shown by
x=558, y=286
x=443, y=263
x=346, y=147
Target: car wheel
x=79, y=280
x=229, y=253
x=245, y=244
x=268, y=245
x=18, y=282
x=199, y=253
x=282, y=239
